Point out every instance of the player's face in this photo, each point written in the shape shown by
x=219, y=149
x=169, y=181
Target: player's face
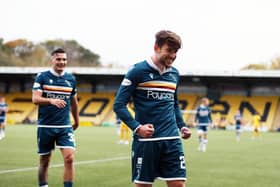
x=166, y=55
x=205, y=102
x=59, y=61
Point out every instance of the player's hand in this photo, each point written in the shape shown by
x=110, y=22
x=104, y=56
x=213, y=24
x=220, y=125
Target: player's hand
x=59, y=103
x=185, y=132
x=146, y=131
x=75, y=126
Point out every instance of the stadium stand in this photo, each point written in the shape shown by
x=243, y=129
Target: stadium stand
x=20, y=107
x=228, y=91
x=94, y=108
x=265, y=105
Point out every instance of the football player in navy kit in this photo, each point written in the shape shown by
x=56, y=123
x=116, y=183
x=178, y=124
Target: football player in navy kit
x=55, y=93
x=203, y=119
x=157, y=151
x=238, y=123
x=3, y=116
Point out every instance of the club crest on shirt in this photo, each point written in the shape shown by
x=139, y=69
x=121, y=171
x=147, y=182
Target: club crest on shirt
x=151, y=75
x=51, y=81
x=68, y=83
x=173, y=77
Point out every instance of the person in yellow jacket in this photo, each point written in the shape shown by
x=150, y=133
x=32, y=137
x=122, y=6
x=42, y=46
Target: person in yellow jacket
x=256, y=125
x=124, y=132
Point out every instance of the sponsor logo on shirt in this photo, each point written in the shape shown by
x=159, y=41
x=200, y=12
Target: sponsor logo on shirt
x=159, y=95
x=203, y=112
x=68, y=83
x=57, y=96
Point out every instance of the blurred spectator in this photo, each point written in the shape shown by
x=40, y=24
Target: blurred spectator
x=3, y=112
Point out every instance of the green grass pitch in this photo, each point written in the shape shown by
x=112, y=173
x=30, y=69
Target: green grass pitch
x=101, y=162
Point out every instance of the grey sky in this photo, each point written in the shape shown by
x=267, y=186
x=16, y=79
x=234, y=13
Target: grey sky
x=216, y=34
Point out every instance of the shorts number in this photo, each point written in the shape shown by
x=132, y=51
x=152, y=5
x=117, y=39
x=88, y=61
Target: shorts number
x=182, y=162
x=71, y=137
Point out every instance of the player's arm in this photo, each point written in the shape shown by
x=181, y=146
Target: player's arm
x=6, y=109
x=37, y=94
x=123, y=96
x=178, y=114
x=185, y=131
x=120, y=104
x=75, y=111
x=125, y=91
x=196, y=118
x=242, y=120
x=210, y=116
x=38, y=99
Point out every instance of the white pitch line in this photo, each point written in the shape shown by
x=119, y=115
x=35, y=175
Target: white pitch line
x=61, y=165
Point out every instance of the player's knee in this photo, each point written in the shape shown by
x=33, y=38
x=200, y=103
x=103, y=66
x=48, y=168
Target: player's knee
x=44, y=161
x=44, y=165
x=69, y=159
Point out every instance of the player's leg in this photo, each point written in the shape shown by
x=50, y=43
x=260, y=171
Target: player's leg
x=238, y=130
x=177, y=183
x=122, y=134
x=200, y=138
x=256, y=132
x=145, y=159
x=143, y=185
x=173, y=165
x=127, y=135
x=43, y=170
x=45, y=141
x=66, y=143
x=1, y=131
x=237, y=135
x=69, y=169
x=204, y=138
x=205, y=141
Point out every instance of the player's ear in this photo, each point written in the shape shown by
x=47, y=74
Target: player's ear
x=156, y=48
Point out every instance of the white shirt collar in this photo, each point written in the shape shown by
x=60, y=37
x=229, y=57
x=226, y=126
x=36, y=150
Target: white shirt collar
x=56, y=74
x=152, y=64
x=202, y=106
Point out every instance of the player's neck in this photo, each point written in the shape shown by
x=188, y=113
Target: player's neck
x=161, y=68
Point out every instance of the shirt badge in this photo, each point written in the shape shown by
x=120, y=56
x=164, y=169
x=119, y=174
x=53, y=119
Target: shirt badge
x=151, y=75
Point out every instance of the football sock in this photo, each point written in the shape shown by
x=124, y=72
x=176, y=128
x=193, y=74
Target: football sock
x=68, y=184
x=43, y=184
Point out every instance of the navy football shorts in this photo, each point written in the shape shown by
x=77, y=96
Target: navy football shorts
x=48, y=137
x=162, y=159
x=202, y=128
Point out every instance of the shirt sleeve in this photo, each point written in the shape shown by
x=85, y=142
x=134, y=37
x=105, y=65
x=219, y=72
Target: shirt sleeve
x=178, y=113
x=196, y=115
x=125, y=91
x=209, y=115
x=38, y=83
x=74, y=91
